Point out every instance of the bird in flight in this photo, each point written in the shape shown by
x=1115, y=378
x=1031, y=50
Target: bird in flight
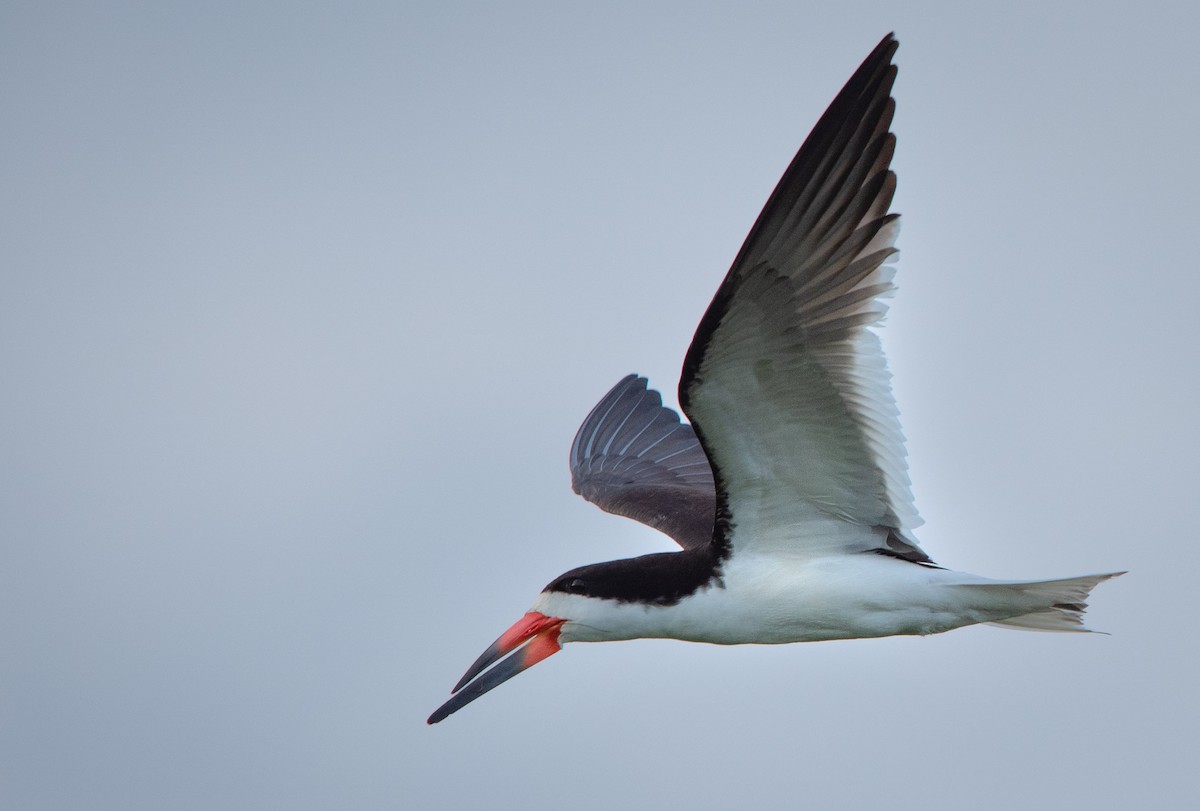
x=788, y=492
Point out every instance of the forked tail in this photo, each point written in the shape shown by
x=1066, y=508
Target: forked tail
x=1065, y=602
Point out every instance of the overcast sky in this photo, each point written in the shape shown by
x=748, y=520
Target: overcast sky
x=301, y=305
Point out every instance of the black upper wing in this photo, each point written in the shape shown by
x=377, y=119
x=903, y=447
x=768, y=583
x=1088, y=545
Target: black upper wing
x=633, y=457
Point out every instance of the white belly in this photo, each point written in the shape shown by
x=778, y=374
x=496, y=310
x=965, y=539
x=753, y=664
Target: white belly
x=774, y=600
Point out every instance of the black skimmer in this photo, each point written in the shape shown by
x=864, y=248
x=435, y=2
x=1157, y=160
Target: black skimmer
x=788, y=493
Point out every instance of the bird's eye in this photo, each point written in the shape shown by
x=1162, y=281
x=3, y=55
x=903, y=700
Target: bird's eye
x=576, y=586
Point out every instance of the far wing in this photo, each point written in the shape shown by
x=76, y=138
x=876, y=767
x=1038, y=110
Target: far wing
x=633, y=457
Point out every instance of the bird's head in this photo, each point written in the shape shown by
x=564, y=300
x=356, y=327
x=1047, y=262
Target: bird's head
x=597, y=603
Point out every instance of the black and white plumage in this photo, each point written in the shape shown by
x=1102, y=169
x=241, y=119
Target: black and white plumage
x=789, y=492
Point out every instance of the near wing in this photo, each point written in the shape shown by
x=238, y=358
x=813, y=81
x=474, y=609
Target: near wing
x=633, y=457
x=784, y=382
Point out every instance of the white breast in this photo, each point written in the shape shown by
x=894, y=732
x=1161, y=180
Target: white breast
x=771, y=599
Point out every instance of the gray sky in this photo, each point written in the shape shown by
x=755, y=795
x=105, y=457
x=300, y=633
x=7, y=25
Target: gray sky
x=300, y=307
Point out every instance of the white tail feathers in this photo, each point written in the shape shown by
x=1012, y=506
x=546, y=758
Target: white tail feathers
x=1064, y=602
